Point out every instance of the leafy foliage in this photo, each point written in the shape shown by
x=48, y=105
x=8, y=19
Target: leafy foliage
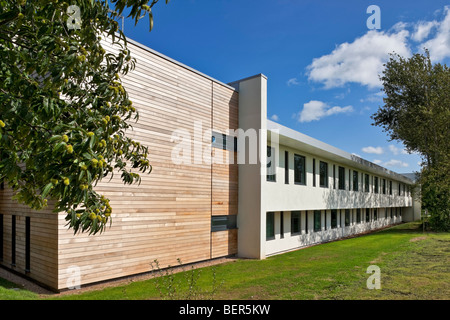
x=417, y=113
x=63, y=110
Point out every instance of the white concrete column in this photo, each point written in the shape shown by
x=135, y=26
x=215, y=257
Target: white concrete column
x=251, y=217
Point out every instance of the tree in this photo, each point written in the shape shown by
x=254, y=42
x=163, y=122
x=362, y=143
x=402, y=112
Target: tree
x=63, y=110
x=417, y=113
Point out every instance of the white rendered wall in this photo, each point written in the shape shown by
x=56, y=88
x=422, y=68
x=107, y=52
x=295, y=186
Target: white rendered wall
x=280, y=196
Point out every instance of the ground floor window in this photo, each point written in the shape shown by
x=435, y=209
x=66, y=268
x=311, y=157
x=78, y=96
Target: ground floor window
x=333, y=219
x=375, y=214
x=295, y=222
x=347, y=217
x=270, y=225
x=358, y=215
x=221, y=223
x=317, y=220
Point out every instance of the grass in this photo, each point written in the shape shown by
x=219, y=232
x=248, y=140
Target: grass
x=413, y=266
x=12, y=291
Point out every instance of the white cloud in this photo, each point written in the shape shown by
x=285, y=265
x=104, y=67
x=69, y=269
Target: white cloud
x=375, y=150
x=293, y=82
x=439, y=45
x=395, y=163
x=274, y=117
x=396, y=151
x=315, y=110
x=360, y=61
x=422, y=30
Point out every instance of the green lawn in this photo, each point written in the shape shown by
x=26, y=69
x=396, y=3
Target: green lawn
x=413, y=265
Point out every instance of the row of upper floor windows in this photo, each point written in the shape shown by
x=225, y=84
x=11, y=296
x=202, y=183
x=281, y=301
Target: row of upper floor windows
x=328, y=175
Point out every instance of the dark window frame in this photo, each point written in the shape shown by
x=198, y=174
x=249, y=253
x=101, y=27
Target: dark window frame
x=13, y=240
x=271, y=177
x=334, y=219
x=314, y=172
x=323, y=181
x=317, y=220
x=366, y=183
x=27, y=244
x=347, y=218
x=355, y=180
x=341, y=178
x=223, y=222
x=1, y=236
x=270, y=233
x=286, y=167
x=296, y=216
x=301, y=171
x=376, y=185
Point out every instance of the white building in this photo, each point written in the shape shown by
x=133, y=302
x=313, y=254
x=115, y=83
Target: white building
x=308, y=192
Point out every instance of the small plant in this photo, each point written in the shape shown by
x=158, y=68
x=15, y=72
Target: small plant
x=186, y=285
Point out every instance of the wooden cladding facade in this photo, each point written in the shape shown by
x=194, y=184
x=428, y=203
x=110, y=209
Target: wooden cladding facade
x=168, y=216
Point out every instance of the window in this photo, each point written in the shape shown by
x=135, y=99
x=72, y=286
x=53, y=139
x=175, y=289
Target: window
x=306, y=221
x=1, y=237
x=270, y=226
x=281, y=225
x=333, y=219
x=219, y=140
x=385, y=213
x=366, y=183
x=391, y=212
x=286, y=167
x=358, y=215
x=317, y=220
x=347, y=217
x=295, y=222
x=323, y=174
x=384, y=186
x=325, y=222
x=334, y=176
x=314, y=172
x=399, y=191
x=221, y=223
x=13, y=240
x=390, y=188
x=299, y=169
x=349, y=180
x=27, y=243
x=341, y=178
x=376, y=185
x=375, y=214
x=367, y=215
x=271, y=164
x=223, y=141
x=355, y=180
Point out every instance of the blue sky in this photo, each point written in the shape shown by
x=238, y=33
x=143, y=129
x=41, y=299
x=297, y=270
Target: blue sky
x=321, y=59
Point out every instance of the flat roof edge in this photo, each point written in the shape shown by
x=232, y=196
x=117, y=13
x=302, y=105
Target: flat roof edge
x=301, y=137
